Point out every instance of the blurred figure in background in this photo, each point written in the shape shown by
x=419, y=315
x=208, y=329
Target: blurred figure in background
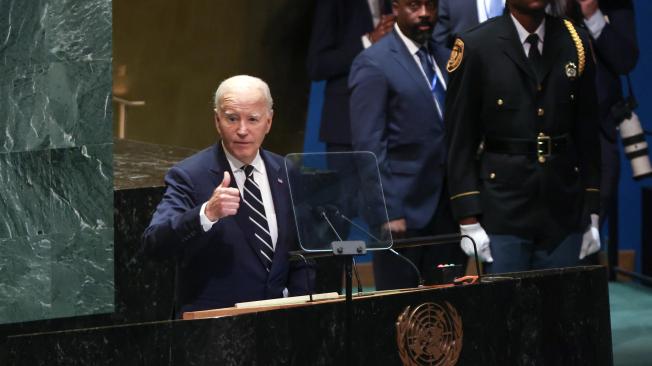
x=341, y=29
x=456, y=16
x=611, y=24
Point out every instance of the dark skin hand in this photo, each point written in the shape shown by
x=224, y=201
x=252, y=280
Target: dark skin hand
x=384, y=26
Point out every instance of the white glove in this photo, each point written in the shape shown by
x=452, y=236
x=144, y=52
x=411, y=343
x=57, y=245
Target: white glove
x=591, y=238
x=481, y=241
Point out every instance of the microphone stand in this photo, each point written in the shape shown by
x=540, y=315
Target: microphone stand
x=347, y=249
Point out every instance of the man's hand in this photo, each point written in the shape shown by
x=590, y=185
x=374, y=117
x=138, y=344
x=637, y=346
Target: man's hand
x=384, y=26
x=481, y=239
x=589, y=7
x=225, y=200
x=591, y=238
x=397, y=227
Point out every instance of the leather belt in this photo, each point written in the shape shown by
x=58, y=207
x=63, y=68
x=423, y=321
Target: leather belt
x=542, y=146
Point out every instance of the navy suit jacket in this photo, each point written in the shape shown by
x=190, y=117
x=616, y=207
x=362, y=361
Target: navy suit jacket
x=455, y=16
x=338, y=27
x=223, y=266
x=393, y=115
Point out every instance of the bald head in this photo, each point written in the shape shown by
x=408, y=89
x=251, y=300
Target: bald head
x=242, y=86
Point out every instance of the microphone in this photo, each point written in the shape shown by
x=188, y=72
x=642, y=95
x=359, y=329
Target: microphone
x=305, y=261
x=416, y=269
x=322, y=211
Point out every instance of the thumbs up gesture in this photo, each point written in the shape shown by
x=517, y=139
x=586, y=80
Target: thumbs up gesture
x=225, y=200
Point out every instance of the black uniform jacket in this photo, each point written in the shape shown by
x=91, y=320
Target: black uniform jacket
x=495, y=101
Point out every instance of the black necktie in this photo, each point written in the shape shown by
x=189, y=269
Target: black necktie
x=534, y=56
x=253, y=199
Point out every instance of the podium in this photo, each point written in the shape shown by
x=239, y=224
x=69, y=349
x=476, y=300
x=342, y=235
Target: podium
x=552, y=317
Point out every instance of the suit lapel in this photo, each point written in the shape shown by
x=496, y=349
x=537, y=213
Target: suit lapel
x=441, y=56
x=513, y=47
x=406, y=60
x=242, y=216
x=278, y=187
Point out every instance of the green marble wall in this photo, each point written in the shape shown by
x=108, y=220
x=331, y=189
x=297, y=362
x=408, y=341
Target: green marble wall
x=56, y=178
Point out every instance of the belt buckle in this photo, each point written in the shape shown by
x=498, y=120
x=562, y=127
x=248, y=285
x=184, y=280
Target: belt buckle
x=544, y=147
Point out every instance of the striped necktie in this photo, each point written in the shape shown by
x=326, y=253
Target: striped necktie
x=436, y=87
x=253, y=199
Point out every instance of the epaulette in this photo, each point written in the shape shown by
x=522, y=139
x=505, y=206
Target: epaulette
x=579, y=46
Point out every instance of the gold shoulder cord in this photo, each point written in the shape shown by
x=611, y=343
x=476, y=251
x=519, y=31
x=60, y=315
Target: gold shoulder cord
x=581, y=56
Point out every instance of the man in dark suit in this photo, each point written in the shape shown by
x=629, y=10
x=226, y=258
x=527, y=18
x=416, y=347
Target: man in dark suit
x=397, y=100
x=226, y=215
x=612, y=27
x=456, y=16
x=341, y=29
x=522, y=87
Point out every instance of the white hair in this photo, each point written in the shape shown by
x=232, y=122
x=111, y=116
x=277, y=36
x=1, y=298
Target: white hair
x=240, y=82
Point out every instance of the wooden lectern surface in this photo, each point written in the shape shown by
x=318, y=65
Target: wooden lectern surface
x=294, y=302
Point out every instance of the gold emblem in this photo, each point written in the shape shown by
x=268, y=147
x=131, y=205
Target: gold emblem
x=571, y=70
x=429, y=334
x=456, y=56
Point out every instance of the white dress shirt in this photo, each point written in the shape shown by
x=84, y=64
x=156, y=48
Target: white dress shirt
x=523, y=33
x=260, y=176
x=596, y=23
x=483, y=9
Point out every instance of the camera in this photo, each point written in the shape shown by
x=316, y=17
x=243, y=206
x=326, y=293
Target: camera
x=633, y=137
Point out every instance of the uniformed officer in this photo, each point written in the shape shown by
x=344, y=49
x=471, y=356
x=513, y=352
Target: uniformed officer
x=524, y=154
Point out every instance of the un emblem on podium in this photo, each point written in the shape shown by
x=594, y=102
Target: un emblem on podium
x=429, y=335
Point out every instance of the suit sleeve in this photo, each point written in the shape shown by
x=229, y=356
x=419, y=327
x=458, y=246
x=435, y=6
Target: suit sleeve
x=368, y=103
x=586, y=135
x=175, y=223
x=462, y=118
x=442, y=32
x=329, y=57
x=617, y=45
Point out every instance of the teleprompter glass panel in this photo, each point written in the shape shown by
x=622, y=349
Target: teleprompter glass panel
x=337, y=196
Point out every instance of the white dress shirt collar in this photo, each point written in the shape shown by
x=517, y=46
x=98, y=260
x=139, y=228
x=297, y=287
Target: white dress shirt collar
x=412, y=46
x=236, y=164
x=523, y=34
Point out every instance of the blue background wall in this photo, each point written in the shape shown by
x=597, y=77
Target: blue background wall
x=630, y=191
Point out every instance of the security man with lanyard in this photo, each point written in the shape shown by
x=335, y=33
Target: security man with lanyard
x=524, y=153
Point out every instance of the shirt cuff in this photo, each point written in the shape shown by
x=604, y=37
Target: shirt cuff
x=366, y=42
x=596, y=23
x=206, y=224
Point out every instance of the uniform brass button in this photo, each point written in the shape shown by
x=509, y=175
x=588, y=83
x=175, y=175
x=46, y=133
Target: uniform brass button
x=492, y=176
x=542, y=159
x=576, y=169
x=572, y=96
x=539, y=87
x=500, y=102
x=540, y=112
